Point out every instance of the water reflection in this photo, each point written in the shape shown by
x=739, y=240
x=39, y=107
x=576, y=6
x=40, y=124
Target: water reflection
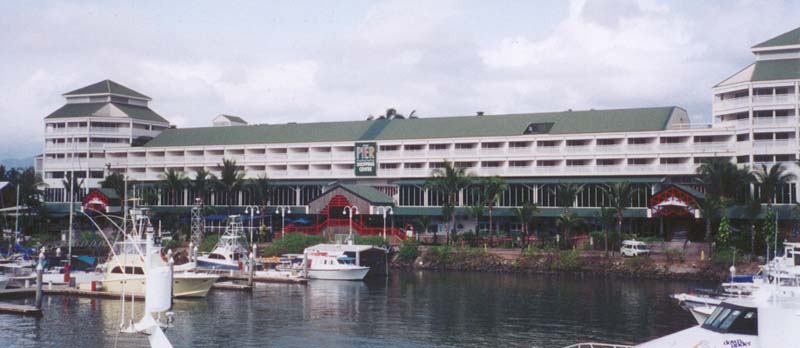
x=421, y=309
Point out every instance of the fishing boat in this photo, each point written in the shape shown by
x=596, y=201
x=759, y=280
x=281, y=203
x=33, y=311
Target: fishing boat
x=229, y=253
x=332, y=265
x=126, y=269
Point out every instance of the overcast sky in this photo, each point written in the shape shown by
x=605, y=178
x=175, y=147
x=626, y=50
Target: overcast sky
x=273, y=62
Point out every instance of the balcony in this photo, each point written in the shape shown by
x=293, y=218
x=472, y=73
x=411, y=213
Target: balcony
x=110, y=130
x=608, y=148
x=771, y=99
x=549, y=169
x=731, y=103
x=493, y=151
x=673, y=147
x=714, y=146
x=777, y=121
x=520, y=170
x=548, y=149
x=639, y=147
x=609, y=168
x=771, y=146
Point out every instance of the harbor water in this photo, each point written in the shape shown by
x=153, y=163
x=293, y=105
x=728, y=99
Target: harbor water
x=419, y=309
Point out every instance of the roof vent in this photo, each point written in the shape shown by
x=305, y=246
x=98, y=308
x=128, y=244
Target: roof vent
x=480, y=113
x=292, y=123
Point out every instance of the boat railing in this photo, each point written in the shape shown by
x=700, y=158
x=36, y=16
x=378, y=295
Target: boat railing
x=598, y=345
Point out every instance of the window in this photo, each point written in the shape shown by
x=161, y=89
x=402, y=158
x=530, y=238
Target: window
x=538, y=128
x=728, y=318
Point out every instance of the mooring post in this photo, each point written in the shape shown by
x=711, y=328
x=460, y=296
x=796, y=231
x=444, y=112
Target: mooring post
x=251, y=269
x=172, y=278
x=39, y=271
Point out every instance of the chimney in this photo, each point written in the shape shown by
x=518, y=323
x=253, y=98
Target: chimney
x=480, y=113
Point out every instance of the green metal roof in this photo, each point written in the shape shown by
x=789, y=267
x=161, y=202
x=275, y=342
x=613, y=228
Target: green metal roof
x=369, y=193
x=779, y=69
x=791, y=37
x=558, y=180
x=106, y=87
x=691, y=191
x=92, y=110
x=591, y=121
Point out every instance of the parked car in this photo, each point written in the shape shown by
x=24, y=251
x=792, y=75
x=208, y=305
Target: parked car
x=634, y=248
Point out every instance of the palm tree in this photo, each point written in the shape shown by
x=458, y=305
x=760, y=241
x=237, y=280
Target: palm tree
x=568, y=221
x=723, y=179
x=493, y=189
x=607, y=218
x=116, y=182
x=770, y=180
x=231, y=177
x=619, y=196
x=30, y=189
x=424, y=221
x=448, y=181
x=711, y=207
x=566, y=194
x=174, y=181
x=202, y=182
x=752, y=210
x=476, y=212
x=70, y=179
x=526, y=214
x=260, y=187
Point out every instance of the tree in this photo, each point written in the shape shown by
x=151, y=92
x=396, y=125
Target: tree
x=723, y=179
x=231, y=178
x=770, y=180
x=116, y=182
x=493, y=189
x=723, y=237
x=476, y=212
x=619, y=196
x=566, y=194
x=607, y=218
x=174, y=182
x=70, y=179
x=711, y=207
x=424, y=221
x=448, y=181
x=260, y=188
x=567, y=222
x=202, y=182
x=525, y=214
x=752, y=210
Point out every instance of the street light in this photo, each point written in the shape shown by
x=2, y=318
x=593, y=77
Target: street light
x=383, y=210
x=282, y=209
x=350, y=210
x=251, y=209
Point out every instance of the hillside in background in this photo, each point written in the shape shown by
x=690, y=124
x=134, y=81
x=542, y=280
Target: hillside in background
x=17, y=162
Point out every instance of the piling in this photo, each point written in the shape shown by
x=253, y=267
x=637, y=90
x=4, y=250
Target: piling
x=251, y=269
x=39, y=283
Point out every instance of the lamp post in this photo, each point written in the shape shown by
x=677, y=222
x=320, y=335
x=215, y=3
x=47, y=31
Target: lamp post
x=251, y=209
x=282, y=209
x=383, y=210
x=350, y=210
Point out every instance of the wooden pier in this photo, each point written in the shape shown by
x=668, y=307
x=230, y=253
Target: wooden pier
x=20, y=309
x=264, y=279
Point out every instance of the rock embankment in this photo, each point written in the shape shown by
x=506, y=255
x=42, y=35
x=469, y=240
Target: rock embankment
x=563, y=262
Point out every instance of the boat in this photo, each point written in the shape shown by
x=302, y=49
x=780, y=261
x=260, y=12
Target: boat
x=229, y=253
x=126, y=270
x=766, y=319
x=3, y=281
x=158, y=285
x=332, y=265
x=701, y=313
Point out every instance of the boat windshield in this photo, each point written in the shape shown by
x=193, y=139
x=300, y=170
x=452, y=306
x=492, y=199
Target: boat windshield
x=130, y=247
x=728, y=318
x=346, y=261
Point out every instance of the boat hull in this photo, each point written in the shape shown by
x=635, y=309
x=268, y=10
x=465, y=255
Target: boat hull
x=339, y=274
x=195, y=285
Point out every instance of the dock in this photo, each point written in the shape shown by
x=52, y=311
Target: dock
x=17, y=293
x=264, y=279
x=20, y=309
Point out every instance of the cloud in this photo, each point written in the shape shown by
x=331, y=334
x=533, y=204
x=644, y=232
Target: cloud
x=306, y=63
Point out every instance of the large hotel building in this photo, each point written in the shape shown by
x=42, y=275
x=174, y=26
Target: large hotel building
x=107, y=127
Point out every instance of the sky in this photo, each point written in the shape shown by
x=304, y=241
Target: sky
x=306, y=61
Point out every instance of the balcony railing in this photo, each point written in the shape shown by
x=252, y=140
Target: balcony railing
x=769, y=121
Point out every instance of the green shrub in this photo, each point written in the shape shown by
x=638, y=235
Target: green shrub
x=442, y=253
x=370, y=240
x=169, y=244
x=568, y=261
x=408, y=251
x=636, y=262
x=292, y=243
x=724, y=256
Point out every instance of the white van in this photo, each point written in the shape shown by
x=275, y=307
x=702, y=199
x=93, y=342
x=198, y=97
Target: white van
x=634, y=248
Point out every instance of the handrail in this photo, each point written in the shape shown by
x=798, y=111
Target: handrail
x=598, y=345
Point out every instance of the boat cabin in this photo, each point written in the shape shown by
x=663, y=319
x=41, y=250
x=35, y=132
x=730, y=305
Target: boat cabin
x=729, y=318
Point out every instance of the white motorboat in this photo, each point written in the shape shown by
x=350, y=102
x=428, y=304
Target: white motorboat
x=3, y=281
x=229, y=253
x=701, y=313
x=333, y=265
x=126, y=270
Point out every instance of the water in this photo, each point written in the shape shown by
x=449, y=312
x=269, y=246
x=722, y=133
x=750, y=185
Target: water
x=420, y=309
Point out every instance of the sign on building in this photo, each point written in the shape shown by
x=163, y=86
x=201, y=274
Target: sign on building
x=366, y=159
